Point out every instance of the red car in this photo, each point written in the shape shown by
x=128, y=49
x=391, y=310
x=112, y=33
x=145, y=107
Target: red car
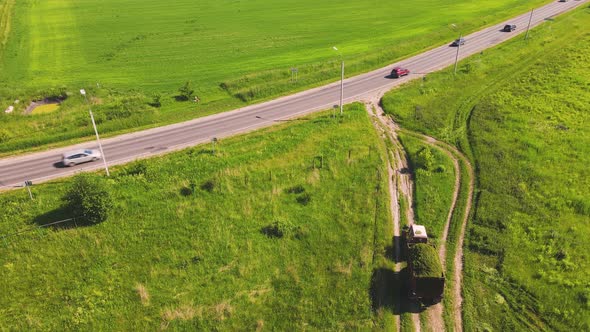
x=399, y=72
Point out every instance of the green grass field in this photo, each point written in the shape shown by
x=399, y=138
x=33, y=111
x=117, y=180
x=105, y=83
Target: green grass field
x=433, y=187
x=173, y=257
x=520, y=111
x=234, y=52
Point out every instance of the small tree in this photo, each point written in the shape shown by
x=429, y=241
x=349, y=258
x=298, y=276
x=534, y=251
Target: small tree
x=424, y=159
x=4, y=135
x=89, y=198
x=186, y=91
x=156, y=100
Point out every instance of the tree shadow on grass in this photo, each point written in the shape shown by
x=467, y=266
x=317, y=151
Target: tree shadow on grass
x=383, y=289
x=60, y=218
x=180, y=98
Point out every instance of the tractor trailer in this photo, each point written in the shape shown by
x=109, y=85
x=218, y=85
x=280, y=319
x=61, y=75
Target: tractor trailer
x=426, y=276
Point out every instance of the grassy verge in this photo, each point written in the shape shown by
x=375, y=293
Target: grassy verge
x=188, y=256
x=58, y=48
x=518, y=111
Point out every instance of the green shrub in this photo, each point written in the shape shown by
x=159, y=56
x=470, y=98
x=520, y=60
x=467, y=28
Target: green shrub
x=89, y=198
x=185, y=92
x=298, y=189
x=208, y=185
x=424, y=159
x=280, y=228
x=137, y=168
x=4, y=135
x=304, y=199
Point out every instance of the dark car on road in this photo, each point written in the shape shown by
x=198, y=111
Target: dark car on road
x=458, y=42
x=509, y=28
x=399, y=72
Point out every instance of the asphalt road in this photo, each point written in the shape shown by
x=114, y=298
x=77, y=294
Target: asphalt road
x=45, y=165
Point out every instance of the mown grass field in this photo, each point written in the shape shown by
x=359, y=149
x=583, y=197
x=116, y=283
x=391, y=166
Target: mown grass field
x=520, y=112
x=173, y=257
x=233, y=52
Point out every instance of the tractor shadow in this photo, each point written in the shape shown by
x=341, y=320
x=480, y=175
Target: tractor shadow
x=389, y=291
x=396, y=242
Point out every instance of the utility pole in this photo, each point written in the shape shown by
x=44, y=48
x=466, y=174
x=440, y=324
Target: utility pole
x=294, y=72
x=213, y=142
x=529, y=26
x=457, y=55
x=341, y=80
x=104, y=159
x=28, y=184
x=341, y=86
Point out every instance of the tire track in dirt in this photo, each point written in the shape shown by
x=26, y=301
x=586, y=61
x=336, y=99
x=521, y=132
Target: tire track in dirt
x=435, y=313
x=403, y=182
x=393, y=206
x=456, y=156
x=458, y=259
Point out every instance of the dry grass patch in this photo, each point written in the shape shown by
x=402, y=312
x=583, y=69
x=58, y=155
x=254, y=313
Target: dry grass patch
x=184, y=312
x=223, y=310
x=144, y=296
x=226, y=267
x=314, y=176
x=254, y=295
x=343, y=269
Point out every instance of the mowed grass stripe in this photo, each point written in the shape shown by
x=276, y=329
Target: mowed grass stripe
x=5, y=21
x=228, y=38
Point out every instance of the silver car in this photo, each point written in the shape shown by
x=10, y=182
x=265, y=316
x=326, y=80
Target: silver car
x=79, y=156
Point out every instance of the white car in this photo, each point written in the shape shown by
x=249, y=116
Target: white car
x=79, y=156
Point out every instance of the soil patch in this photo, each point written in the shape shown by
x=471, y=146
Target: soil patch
x=45, y=102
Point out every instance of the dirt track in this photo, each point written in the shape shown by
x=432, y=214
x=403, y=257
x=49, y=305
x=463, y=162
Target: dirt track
x=403, y=181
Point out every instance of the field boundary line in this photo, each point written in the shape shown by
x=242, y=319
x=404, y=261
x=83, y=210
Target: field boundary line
x=5, y=22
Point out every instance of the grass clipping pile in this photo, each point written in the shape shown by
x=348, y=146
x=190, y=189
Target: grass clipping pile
x=425, y=261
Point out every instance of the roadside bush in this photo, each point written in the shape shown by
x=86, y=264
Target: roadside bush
x=137, y=168
x=185, y=92
x=88, y=197
x=156, y=100
x=117, y=113
x=4, y=135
